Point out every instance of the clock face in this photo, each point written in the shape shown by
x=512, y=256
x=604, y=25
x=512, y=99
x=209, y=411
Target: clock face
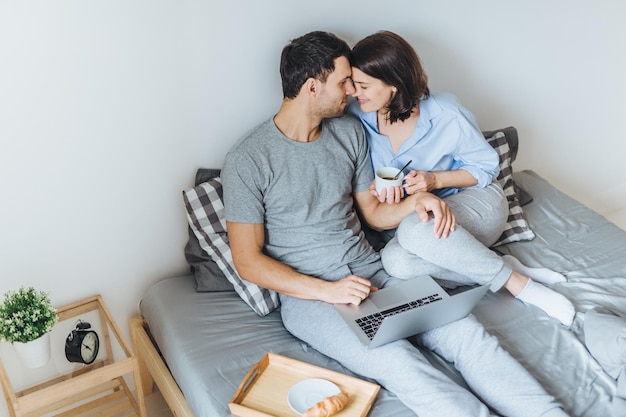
x=89, y=347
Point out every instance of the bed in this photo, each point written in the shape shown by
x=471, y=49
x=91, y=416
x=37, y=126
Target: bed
x=197, y=344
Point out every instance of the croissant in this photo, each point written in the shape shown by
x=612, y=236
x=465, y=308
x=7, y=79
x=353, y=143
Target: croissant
x=328, y=406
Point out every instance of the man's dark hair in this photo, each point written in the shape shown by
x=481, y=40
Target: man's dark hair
x=309, y=56
x=389, y=58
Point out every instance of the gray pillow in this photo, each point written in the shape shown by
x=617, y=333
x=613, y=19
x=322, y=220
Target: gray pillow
x=208, y=275
x=512, y=138
x=517, y=228
x=205, y=214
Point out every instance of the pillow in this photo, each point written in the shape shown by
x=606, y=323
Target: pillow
x=208, y=276
x=517, y=228
x=205, y=214
x=512, y=138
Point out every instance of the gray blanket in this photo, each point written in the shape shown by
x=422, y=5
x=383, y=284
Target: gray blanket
x=210, y=340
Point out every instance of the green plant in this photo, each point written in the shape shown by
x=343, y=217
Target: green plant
x=25, y=315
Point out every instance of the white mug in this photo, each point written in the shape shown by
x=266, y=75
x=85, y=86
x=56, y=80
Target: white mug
x=384, y=178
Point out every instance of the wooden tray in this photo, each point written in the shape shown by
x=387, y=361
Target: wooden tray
x=263, y=392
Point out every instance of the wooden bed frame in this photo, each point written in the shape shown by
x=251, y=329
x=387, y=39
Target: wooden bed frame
x=153, y=370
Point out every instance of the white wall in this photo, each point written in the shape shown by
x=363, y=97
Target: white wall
x=108, y=108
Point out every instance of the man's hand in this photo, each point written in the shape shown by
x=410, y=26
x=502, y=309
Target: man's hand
x=429, y=206
x=349, y=290
x=381, y=216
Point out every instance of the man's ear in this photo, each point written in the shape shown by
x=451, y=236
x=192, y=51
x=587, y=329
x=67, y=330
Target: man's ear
x=311, y=86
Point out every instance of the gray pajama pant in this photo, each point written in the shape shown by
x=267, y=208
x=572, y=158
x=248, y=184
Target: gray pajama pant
x=493, y=375
x=464, y=256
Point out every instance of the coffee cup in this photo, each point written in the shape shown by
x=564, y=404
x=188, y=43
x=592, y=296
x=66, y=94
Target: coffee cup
x=385, y=178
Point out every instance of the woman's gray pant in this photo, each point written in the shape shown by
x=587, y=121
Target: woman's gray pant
x=492, y=374
x=464, y=256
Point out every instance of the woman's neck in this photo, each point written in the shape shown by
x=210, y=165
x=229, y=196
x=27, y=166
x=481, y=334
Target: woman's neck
x=399, y=131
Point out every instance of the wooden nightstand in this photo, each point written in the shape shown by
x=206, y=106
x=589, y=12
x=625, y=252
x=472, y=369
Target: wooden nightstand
x=99, y=386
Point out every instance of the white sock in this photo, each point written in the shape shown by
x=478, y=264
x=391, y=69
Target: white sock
x=543, y=275
x=553, y=303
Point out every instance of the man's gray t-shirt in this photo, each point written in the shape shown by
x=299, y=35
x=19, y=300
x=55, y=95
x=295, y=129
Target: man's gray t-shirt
x=302, y=192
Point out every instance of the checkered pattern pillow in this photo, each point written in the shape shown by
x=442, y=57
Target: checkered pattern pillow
x=205, y=214
x=517, y=228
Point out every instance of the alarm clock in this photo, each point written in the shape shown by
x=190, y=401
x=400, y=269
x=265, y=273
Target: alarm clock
x=82, y=344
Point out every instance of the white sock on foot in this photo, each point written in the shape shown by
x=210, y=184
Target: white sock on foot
x=543, y=275
x=553, y=303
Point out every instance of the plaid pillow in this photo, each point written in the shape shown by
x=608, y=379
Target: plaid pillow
x=517, y=228
x=207, y=274
x=205, y=214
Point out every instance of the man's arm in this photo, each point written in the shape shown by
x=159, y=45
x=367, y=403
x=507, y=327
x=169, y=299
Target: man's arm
x=383, y=216
x=246, y=244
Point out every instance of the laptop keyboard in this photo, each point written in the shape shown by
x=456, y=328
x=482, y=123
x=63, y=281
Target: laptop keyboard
x=370, y=323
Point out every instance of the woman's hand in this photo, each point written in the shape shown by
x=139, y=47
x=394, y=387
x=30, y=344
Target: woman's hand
x=420, y=181
x=390, y=195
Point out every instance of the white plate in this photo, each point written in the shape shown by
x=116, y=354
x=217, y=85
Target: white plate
x=306, y=393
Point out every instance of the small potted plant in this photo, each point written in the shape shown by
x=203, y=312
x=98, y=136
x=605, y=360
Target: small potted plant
x=26, y=318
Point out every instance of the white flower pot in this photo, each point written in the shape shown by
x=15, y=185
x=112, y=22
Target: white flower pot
x=35, y=353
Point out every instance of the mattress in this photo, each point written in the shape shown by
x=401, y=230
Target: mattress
x=210, y=340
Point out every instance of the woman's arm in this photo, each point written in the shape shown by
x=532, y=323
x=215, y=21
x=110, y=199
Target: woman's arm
x=416, y=181
x=428, y=181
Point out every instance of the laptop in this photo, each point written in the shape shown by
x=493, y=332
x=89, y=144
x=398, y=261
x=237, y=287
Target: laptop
x=408, y=308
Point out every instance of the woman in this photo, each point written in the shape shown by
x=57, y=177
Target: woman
x=451, y=158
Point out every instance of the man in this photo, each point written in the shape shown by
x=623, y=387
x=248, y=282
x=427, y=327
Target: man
x=292, y=189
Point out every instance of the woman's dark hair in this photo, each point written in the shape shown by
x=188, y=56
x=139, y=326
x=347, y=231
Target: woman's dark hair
x=309, y=56
x=389, y=58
